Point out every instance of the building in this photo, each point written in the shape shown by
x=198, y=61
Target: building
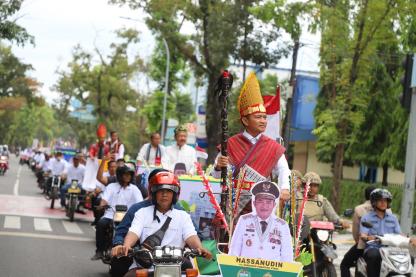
x=303, y=122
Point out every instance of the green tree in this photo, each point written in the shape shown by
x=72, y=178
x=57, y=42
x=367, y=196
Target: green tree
x=32, y=122
x=179, y=106
x=14, y=79
x=9, y=29
x=345, y=71
x=106, y=85
x=217, y=28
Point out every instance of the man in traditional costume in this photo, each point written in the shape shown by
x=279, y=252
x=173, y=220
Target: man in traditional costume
x=97, y=151
x=116, y=146
x=100, y=148
x=259, y=156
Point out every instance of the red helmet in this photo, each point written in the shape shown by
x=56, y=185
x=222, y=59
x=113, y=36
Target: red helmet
x=165, y=180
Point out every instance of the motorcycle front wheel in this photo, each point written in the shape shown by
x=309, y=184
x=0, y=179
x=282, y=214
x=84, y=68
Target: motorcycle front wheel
x=54, y=195
x=71, y=208
x=328, y=270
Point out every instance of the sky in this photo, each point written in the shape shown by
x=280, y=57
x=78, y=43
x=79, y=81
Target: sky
x=59, y=25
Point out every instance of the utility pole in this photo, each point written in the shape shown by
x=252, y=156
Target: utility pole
x=409, y=95
x=166, y=90
x=292, y=83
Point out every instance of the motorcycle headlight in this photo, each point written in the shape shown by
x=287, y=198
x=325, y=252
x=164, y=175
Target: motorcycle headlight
x=177, y=252
x=402, y=267
x=168, y=250
x=323, y=235
x=158, y=253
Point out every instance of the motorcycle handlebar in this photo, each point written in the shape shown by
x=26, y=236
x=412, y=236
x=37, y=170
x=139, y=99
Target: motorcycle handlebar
x=192, y=253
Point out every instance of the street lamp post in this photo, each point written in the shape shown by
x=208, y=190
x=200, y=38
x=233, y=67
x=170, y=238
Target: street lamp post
x=166, y=91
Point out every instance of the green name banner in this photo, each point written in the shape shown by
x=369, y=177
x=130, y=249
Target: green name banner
x=233, y=266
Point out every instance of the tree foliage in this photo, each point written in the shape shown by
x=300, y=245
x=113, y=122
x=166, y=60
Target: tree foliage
x=346, y=105
x=9, y=29
x=218, y=28
x=104, y=83
x=14, y=78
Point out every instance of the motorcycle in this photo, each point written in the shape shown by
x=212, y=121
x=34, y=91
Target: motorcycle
x=53, y=192
x=72, y=197
x=320, y=244
x=395, y=256
x=119, y=213
x=4, y=165
x=43, y=184
x=167, y=261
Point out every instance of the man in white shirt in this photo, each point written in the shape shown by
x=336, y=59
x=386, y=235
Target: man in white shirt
x=75, y=171
x=58, y=165
x=181, y=153
x=165, y=188
x=153, y=153
x=120, y=193
x=116, y=147
x=260, y=234
x=57, y=168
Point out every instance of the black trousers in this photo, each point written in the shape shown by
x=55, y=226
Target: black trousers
x=100, y=233
x=350, y=260
x=98, y=213
x=373, y=259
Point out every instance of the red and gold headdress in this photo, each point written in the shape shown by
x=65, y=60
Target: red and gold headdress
x=101, y=131
x=250, y=100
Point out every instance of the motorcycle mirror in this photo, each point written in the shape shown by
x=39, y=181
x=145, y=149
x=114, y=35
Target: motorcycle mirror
x=367, y=224
x=348, y=212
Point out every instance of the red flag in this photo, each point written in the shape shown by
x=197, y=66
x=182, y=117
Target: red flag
x=272, y=105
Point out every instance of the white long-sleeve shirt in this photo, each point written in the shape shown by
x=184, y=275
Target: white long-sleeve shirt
x=142, y=155
x=185, y=154
x=75, y=173
x=57, y=167
x=120, y=152
x=280, y=169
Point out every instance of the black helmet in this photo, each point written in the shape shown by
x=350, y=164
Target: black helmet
x=379, y=194
x=368, y=191
x=122, y=170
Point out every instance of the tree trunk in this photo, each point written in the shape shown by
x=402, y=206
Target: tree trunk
x=385, y=174
x=337, y=176
x=213, y=120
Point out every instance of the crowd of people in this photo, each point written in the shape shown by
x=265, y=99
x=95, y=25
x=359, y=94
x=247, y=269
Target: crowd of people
x=151, y=199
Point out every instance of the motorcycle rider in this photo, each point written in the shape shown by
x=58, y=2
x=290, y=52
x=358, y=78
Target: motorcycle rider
x=105, y=180
x=356, y=251
x=75, y=171
x=57, y=167
x=318, y=208
x=121, y=265
x=165, y=189
x=120, y=193
x=383, y=223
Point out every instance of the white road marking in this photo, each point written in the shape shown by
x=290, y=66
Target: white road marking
x=44, y=236
x=12, y=222
x=42, y=224
x=16, y=184
x=72, y=227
